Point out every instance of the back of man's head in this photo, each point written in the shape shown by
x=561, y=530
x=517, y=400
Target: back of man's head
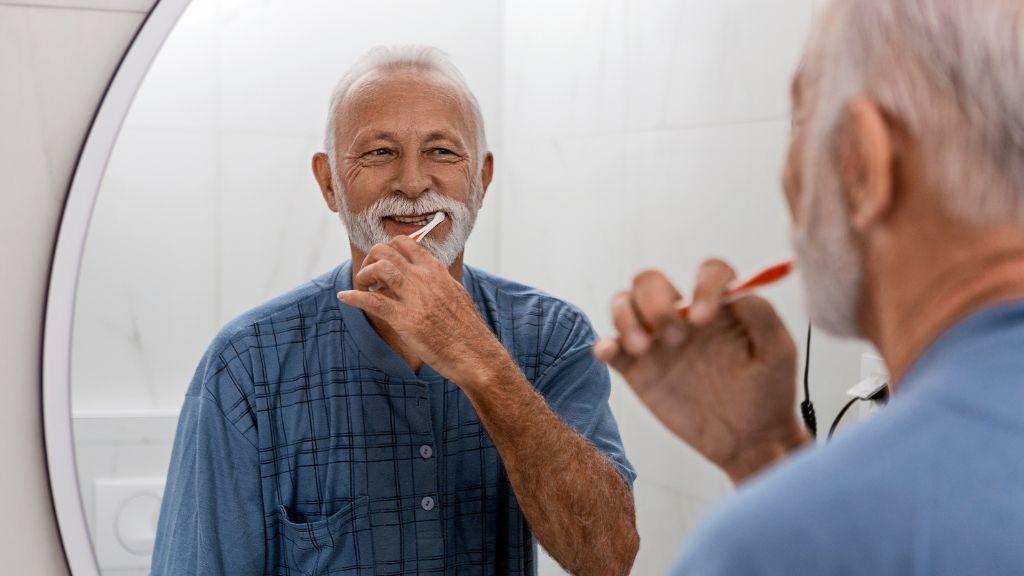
x=949, y=72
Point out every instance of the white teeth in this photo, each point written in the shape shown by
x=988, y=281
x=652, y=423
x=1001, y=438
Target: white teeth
x=408, y=220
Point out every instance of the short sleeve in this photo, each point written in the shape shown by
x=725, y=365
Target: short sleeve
x=577, y=388
x=211, y=518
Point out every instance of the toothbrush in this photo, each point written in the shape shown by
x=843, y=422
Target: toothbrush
x=418, y=236
x=422, y=232
x=765, y=277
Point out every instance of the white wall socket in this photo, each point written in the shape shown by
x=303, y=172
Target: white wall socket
x=871, y=365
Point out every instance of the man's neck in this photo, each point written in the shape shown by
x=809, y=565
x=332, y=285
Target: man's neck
x=915, y=302
x=383, y=329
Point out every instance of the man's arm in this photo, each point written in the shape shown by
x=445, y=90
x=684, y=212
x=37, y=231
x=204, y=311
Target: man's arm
x=211, y=518
x=576, y=502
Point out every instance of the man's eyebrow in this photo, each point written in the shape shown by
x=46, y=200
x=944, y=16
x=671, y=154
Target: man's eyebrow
x=441, y=135
x=375, y=135
x=435, y=135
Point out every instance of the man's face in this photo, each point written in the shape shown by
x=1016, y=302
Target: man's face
x=405, y=149
x=827, y=256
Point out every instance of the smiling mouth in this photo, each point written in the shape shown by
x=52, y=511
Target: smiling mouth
x=413, y=220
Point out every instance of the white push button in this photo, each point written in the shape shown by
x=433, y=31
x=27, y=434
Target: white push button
x=426, y=451
x=427, y=503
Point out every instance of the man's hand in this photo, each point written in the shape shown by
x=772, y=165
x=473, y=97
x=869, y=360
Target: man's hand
x=575, y=501
x=431, y=311
x=724, y=381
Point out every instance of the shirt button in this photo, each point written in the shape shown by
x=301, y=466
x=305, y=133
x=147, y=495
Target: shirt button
x=426, y=451
x=427, y=503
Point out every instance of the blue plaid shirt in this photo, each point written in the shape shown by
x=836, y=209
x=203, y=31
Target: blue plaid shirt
x=307, y=446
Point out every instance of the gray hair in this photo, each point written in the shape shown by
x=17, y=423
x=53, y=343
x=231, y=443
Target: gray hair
x=951, y=71
x=394, y=58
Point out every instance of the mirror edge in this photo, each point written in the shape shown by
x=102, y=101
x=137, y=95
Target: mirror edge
x=58, y=437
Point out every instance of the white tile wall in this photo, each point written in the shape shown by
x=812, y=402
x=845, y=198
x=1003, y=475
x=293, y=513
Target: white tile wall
x=627, y=134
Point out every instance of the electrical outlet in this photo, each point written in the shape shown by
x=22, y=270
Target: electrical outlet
x=871, y=366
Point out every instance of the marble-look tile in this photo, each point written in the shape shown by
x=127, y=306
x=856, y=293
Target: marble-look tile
x=561, y=217
x=706, y=192
x=565, y=67
x=546, y=566
x=275, y=231
x=483, y=249
x=280, y=60
x=181, y=90
x=146, y=302
x=692, y=62
x=665, y=515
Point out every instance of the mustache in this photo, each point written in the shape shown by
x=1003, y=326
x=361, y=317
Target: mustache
x=400, y=205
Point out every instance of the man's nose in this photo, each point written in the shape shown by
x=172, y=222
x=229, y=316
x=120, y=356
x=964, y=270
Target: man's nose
x=412, y=179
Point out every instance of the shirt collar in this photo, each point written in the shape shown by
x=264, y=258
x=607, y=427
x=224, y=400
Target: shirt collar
x=968, y=345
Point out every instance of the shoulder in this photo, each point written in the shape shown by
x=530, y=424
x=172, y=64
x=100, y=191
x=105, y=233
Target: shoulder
x=526, y=303
x=539, y=330
x=228, y=353
x=841, y=508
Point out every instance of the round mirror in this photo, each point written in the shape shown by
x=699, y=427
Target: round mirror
x=624, y=135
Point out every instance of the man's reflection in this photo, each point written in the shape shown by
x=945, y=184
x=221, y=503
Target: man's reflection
x=432, y=426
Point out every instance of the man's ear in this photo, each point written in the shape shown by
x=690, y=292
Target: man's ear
x=486, y=174
x=322, y=173
x=866, y=164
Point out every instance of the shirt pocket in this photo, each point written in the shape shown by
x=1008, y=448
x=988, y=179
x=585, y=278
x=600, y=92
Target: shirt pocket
x=339, y=545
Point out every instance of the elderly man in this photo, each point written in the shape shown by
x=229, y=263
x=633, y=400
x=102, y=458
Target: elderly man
x=905, y=181
x=403, y=413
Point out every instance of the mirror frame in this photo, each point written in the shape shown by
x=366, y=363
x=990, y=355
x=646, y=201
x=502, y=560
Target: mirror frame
x=92, y=161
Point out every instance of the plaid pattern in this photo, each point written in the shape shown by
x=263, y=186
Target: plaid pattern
x=307, y=446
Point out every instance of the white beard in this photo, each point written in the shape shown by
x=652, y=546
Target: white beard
x=829, y=264
x=366, y=229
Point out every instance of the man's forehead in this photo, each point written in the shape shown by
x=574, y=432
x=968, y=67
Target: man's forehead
x=380, y=95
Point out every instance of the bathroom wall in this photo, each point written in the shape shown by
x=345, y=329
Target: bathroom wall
x=56, y=57
x=627, y=134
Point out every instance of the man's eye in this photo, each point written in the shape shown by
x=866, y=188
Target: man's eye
x=378, y=152
x=441, y=151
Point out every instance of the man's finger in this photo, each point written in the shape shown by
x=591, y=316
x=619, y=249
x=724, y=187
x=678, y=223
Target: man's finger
x=634, y=339
x=382, y=273
x=655, y=297
x=412, y=250
x=373, y=303
x=768, y=335
x=713, y=280
x=386, y=252
x=609, y=351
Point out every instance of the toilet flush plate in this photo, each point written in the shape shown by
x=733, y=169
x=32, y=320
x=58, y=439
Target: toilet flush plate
x=127, y=510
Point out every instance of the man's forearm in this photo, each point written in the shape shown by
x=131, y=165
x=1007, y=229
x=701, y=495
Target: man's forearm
x=576, y=503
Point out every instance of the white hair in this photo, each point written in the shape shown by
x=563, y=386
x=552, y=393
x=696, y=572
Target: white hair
x=951, y=72
x=395, y=58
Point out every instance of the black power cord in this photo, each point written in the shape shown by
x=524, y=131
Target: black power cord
x=807, y=407
x=882, y=395
x=839, y=417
